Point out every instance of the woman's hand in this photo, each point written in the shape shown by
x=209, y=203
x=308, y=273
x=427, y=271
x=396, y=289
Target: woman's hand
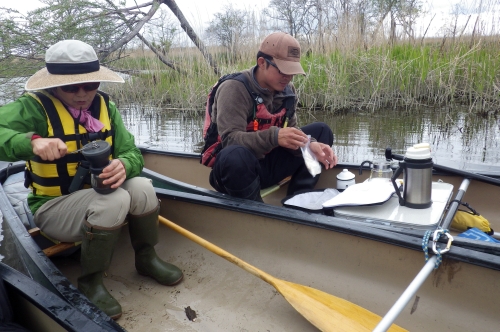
x=114, y=174
x=49, y=148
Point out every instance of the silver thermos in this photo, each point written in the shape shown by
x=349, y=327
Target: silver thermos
x=417, y=177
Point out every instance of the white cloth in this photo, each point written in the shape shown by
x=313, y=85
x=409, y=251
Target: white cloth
x=311, y=200
x=365, y=193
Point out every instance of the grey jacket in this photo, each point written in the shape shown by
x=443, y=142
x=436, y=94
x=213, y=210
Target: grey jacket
x=232, y=107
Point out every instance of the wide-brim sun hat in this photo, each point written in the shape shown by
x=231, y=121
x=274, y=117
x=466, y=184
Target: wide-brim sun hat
x=285, y=51
x=70, y=62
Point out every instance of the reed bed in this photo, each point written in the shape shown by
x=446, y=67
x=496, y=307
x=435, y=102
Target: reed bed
x=401, y=76
x=434, y=73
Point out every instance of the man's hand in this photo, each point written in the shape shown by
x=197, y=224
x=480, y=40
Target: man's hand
x=324, y=154
x=49, y=148
x=114, y=174
x=291, y=138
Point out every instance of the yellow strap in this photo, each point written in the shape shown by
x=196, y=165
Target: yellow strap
x=266, y=191
x=56, y=241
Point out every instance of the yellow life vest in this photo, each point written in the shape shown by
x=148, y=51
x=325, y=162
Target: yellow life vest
x=52, y=178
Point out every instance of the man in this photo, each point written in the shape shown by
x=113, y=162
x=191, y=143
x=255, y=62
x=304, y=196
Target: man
x=254, y=113
x=47, y=127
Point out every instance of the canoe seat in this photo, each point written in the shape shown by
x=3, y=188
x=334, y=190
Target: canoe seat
x=266, y=191
x=18, y=197
x=54, y=247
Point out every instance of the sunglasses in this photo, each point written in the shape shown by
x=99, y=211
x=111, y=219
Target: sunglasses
x=275, y=66
x=74, y=88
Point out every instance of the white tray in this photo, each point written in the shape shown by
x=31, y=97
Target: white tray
x=391, y=213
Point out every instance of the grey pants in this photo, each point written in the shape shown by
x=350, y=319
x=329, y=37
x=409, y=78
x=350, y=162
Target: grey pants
x=62, y=218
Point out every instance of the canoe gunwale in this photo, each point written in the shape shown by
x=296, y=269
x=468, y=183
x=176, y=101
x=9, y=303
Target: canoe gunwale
x=335, y=224
x=48, y=302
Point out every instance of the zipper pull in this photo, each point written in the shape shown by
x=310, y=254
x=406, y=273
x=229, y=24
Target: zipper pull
x=255, y=125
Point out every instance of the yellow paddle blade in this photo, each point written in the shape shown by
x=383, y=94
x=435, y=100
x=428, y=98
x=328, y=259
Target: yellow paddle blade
x=325, y=311
x=328, y=312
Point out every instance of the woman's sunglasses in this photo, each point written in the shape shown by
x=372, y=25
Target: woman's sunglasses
x=76, y=87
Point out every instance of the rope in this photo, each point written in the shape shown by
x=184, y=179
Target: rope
x=437, y=251
x=425, y=247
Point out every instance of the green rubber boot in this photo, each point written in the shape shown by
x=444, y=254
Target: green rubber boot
x=97, y=250
x=144, y=236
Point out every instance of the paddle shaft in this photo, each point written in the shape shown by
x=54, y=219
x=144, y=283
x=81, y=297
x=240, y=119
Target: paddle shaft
x=469, y=175
x=218, y=251
x=407, y=295
x=319, y=308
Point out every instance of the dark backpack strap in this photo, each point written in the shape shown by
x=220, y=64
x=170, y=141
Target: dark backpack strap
x=289, y=103
x=471, y=210
x=240, y=77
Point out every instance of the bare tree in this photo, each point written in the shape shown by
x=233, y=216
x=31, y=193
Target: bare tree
x=384, y=9
x=163, y=31
x=407, y=12
x=291, y=14
x=190, y=32
x=228, y=29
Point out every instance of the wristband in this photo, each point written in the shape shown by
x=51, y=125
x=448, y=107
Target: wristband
x=35, y=136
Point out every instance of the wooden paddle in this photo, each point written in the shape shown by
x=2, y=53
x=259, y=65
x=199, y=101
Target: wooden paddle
x=325, y=311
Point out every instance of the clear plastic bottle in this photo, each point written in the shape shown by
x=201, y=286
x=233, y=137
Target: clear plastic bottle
x=381, y=171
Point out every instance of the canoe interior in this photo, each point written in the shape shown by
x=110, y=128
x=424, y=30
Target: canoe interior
x=226, y=298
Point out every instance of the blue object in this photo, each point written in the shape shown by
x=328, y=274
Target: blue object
x=477, y=234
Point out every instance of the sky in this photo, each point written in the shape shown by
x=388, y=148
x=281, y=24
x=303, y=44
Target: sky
x=199, y=12
x=193, y=10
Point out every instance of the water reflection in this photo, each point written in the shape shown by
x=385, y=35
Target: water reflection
x=458, y=138
x=169, y=130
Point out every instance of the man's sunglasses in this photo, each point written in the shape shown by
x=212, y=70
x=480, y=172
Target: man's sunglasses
x=275, y=66
x=74, y=88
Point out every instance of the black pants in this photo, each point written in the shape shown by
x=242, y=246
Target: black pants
x=239, y=173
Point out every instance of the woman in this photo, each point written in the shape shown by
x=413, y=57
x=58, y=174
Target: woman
x=48, y=126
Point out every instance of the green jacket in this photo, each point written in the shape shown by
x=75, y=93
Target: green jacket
x=25, y=116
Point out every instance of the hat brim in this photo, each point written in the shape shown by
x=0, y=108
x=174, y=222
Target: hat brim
x=289, y=67
x=42, y=79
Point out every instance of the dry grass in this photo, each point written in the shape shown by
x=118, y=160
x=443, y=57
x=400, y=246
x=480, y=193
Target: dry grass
x=435, y=72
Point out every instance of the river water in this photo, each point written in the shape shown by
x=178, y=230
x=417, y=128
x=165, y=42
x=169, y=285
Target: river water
x=457, y=137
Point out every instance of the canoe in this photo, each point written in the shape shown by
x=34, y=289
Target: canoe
x=368, y=264
x=26, y=303
x=183, y=172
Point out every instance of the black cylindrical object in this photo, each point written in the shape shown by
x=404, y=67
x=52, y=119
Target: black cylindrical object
x=97, y=154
